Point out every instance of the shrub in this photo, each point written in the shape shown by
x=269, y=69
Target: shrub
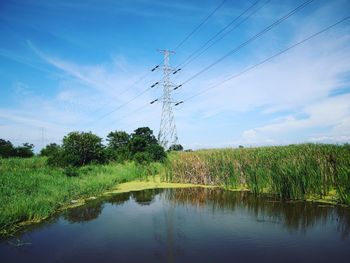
x=142, y=157
x=24, y=151
x=117, y=148
x=78, y=149
x=6, y=149
x=71, y=171
x=143, y=141
x=176, y=147
x=50, y=149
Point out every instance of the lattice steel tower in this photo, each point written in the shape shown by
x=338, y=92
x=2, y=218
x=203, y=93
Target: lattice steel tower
x=167, y=133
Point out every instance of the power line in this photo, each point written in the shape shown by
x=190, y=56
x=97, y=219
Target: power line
x=247, y=69
x=127, y=88
x=261, y=33
x=199, y=26
x=268, y=59
x=265, y=30
x=157, y=66
x=190, y=58
x=124, y=104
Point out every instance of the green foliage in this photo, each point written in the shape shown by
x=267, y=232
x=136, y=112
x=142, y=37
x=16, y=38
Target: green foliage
x=32, y=190
x=176, y=147
x=50, y=149
x=156, y=152
x=291, y=172
x=78, y=149
x=118, y=139
x=71, y=171
x=24, y=151
x=6, y=149
x=117, y=147
x=142, y=157
x=144, y=147
x=82, y=148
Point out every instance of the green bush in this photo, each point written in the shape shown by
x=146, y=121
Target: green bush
x=143, y=141
x=176, y=147
x=24, y=151
x=117, y=147
x=50, y=149
x=8, y=150
x=142, y=157
x=71, y=171
x=78, y=149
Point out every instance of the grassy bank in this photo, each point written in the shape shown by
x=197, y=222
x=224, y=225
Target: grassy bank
x=31, y=190
x=291, y=172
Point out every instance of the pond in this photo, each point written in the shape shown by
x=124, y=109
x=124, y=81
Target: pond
x=187, y=225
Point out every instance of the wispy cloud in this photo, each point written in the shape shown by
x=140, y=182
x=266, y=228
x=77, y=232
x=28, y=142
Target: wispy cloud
x=290, y=99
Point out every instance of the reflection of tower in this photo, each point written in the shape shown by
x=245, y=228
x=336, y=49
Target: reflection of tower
x=167, y=133
x=170, y=233
x=166, y=230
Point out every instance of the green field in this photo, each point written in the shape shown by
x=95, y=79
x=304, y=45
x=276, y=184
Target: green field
x=31, y=190
x=307, y=171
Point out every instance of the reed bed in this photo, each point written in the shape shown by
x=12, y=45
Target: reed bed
x=290, y=172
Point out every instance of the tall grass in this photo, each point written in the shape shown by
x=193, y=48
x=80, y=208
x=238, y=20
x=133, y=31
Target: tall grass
x=291, y=172
x=30, y=190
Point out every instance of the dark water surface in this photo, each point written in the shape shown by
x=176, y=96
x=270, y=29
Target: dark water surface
x=187, y=225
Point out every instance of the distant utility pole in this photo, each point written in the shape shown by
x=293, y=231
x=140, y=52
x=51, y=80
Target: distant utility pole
x=167, y=133
x=42, y=137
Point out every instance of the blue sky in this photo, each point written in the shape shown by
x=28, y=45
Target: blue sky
x=64, y=64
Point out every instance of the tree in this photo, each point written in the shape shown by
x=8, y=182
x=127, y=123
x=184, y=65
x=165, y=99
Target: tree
x=156, y=152
x=141, y=139
x=118, y=139
x=117, y=147
x=78, y=149
x=50, y=149
x=144, y=146
x=176, y=147
x=6, y=149
x=24, y=151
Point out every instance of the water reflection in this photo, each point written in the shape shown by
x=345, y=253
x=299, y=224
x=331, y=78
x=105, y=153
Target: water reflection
x=188, y=225
x=93, y=208
x=295, y=216
x=84, y=213
x=145, y=197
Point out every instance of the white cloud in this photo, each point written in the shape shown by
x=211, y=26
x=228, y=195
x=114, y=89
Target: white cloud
x=298, y=82
x=332, y=114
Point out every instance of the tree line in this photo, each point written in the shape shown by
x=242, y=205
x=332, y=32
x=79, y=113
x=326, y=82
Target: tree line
x=7, y=150
x=82, y=148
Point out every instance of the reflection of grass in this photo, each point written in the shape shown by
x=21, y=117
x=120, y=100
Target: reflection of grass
x=294, y=215
x=307, y=171
x=31, y=191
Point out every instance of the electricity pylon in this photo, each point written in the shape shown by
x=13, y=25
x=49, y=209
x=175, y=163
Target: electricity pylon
x=167, y=133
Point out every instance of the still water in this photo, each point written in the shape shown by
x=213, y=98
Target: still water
x=187, y=225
